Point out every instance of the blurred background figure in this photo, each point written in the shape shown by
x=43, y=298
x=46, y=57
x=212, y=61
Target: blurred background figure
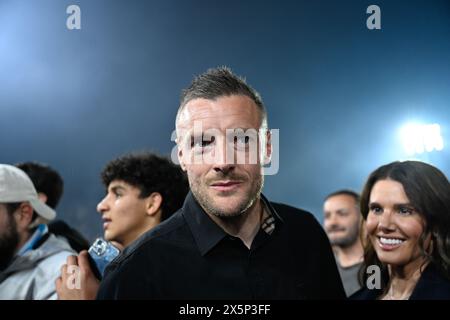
x=406, y=208
x=30, y=256
x=342, y=221
x=142, y=190
x=50, y=187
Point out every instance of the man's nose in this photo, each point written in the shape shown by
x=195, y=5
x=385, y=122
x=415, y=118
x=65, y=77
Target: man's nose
x=223, y=162
x=102, y=205
x=331, y=220
x=224, y=168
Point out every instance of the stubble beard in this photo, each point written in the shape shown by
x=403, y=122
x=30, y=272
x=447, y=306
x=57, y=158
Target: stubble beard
x=348, y=240
x=207, y=202
x=8, y=243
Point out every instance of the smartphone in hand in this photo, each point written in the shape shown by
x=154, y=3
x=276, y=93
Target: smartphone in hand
x=101, y=253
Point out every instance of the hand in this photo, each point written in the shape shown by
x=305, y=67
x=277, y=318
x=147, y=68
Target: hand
x=77, y=281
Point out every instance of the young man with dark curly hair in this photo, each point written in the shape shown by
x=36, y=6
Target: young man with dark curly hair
x=142, y=191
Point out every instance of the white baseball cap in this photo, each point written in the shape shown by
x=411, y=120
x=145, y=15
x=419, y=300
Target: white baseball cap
x=16, y=186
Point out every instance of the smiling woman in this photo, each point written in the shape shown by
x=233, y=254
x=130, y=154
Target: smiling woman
x=406, y=208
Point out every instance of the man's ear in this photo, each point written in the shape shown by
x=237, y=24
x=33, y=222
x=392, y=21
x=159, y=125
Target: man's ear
x=180, y=158
x=24, y=215
x=267, y=145
x=154, y=203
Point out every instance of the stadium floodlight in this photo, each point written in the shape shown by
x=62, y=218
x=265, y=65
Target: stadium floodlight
x=420, y=138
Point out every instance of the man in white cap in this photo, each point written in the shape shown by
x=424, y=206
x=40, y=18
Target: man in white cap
x=30, y=256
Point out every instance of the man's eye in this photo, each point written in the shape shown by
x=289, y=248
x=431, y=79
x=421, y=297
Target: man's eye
x=201, y=143
x=118, y=195
x=241, y=139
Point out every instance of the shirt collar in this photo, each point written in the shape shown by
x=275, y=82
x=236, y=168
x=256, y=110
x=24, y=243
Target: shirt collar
x=207, y=233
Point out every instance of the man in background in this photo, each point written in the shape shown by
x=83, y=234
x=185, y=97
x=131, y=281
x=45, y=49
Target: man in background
x=30, y=256
x=342, y=223
x=50, y=187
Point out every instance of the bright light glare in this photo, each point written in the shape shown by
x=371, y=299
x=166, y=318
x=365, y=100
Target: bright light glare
x=418, y=138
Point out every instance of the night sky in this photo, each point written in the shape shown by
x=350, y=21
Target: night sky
x=337, y=91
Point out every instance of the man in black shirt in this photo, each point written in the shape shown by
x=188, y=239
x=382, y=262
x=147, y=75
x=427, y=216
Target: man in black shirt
x=228, y=241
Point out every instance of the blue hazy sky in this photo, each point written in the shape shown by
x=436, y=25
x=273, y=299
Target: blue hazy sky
x=337, y=91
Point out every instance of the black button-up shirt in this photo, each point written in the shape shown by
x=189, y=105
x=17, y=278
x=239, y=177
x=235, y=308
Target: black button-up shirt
x=190, y=257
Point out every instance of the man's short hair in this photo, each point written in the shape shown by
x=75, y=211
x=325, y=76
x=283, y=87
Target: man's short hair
x=347, y=192
x=45, y=179
x=220, y=82
x=150, y=173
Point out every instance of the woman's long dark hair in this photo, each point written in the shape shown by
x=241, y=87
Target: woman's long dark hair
x=428, y=191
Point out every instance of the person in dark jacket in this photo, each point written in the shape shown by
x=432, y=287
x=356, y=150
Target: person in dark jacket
x=50, y=186
x=228, y=241
x=406, y=207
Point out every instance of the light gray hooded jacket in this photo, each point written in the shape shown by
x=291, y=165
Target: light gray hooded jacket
x=32, y=275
